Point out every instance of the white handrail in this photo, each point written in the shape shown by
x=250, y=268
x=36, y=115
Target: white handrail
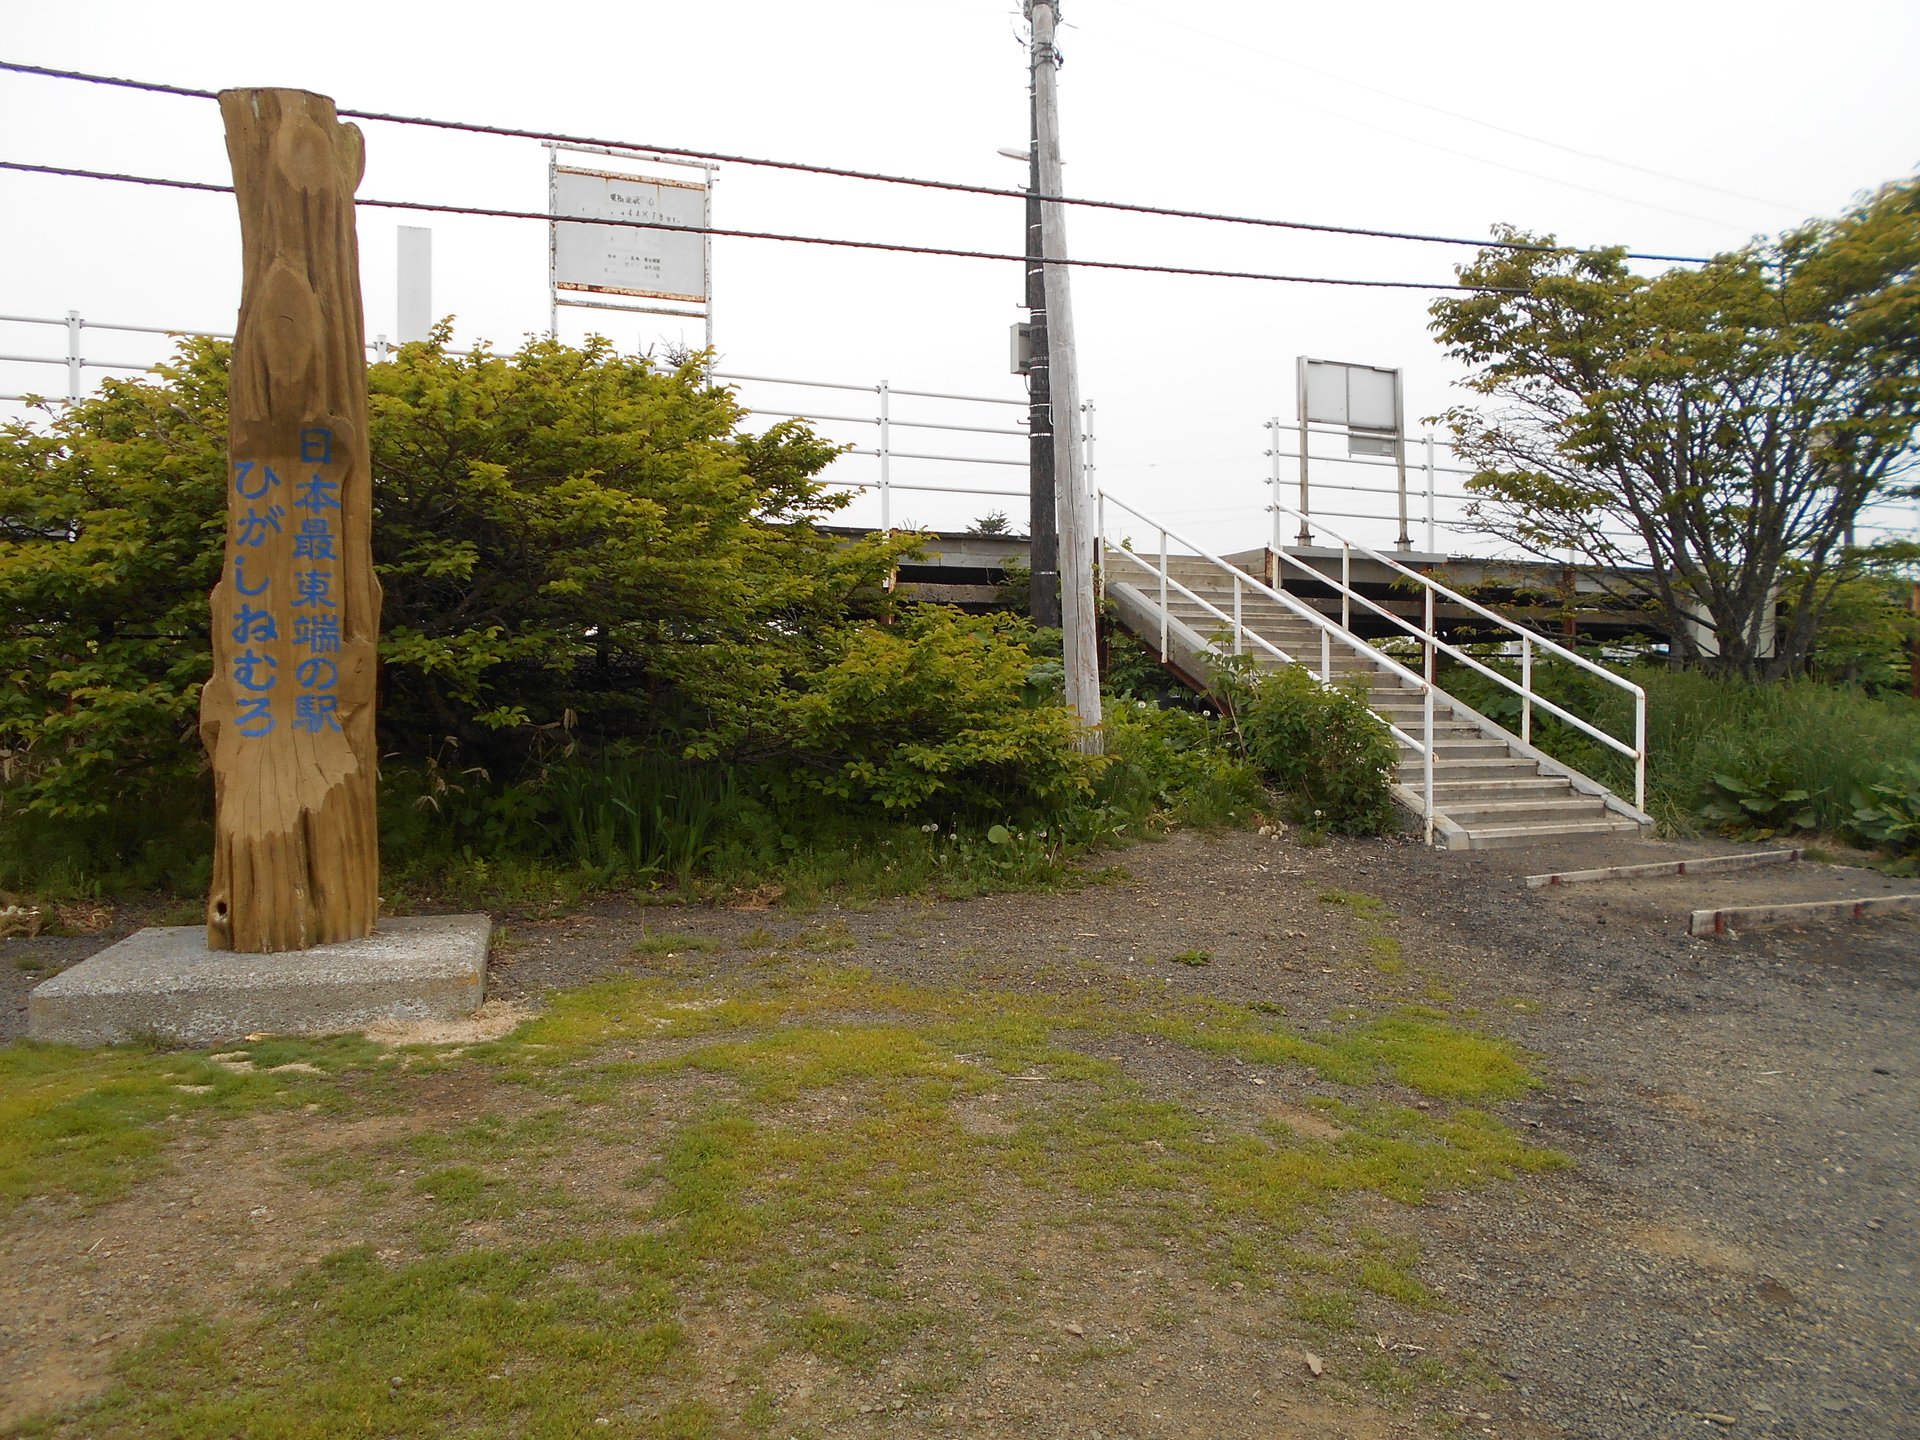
x=1242, y=634
x=1329, y=631
x=1529, y=640
x=1427, y=638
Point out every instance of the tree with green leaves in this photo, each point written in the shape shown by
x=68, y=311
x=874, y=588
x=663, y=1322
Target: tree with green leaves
x=994, y=522
x=1713, y=432
x=571, y=542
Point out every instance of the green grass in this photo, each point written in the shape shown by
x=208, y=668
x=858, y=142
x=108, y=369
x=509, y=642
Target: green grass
x=1826, y=739
x=91, y=1123
x=1829, y=740
x=1366, y=907
x=1193, y=957
x=672, y=942
x=786, y=1145
x=1385, y=952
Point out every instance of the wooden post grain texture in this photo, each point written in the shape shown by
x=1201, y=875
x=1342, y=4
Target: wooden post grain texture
x=288, y=715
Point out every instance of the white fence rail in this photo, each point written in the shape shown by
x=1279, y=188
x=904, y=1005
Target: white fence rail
x=877, y=436
x=898, y=447
x=895, y=448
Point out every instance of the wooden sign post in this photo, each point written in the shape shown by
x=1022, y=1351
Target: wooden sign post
x=288, y=714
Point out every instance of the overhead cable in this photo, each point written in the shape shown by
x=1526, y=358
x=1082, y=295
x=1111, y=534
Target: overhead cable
x=840, y=172
x=1461, y=115
x=491, y=212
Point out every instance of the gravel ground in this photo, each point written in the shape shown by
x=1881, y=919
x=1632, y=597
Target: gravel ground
x=1735, y=1247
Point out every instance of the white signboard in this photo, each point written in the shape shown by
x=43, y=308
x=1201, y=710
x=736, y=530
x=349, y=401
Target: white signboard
x=1363, y=400
x=1362, y=396
x=629, y=259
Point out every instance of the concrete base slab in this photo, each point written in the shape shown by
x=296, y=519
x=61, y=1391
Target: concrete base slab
x=165, y=982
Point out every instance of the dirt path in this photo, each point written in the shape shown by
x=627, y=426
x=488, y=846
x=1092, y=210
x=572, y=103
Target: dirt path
x=1734, y=1249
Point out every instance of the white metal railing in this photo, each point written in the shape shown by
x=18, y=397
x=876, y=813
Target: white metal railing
x=1529, y=642
x=879, y=445
x=1423, y=456
x=1443, y=512
x=1330, y=633
x=886, y=421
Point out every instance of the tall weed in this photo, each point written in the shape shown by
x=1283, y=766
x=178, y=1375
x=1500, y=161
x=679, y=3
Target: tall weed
x=1325, y=749
x=1181, y=764
x=640, y=815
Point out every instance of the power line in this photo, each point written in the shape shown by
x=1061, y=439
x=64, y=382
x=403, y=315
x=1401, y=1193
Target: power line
x=1462, y=116
x=840, y=172
x=1466, y=155
x=67, y=172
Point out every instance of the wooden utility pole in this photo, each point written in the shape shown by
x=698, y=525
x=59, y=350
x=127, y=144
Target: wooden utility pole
x=288, y=715
x=1043, y=578
x=1074, y=507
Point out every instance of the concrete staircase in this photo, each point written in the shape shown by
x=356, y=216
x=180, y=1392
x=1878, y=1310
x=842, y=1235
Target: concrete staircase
x=1489, y=787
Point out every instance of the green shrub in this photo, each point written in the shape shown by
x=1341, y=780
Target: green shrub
x=1755, y=797
x=579, y=550
x=933, y=716
x=565, y=538
x=1329, y=754
x=1868, y=630
x=1886, y=811
x=1182, y=764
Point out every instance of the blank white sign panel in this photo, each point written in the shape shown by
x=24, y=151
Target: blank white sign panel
x=1356, y=395
x=629, y=259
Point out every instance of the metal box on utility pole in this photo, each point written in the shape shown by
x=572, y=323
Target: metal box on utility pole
x=1020, y=347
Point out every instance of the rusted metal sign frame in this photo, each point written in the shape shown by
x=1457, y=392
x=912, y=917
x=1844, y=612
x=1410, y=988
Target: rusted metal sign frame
x=557, y=290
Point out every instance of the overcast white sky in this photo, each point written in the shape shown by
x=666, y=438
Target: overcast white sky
x=1680, y=126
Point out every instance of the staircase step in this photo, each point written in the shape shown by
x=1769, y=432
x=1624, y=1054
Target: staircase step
x=1468, y=750
x=1475, y=814
x=1498, y=786
x=1487, y=791
x=1495, y=837
x=1487, y=777
x=1413, y=713
x=1447, y=737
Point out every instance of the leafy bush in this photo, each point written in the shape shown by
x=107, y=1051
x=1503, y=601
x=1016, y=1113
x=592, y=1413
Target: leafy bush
x=1325, y=749
x=1868, y=630
x=1182, y=764
x=112, y=521
x=1756, y=798
x=1887, y=811
x=934, y=715
x=564, y=536
x=581, y=552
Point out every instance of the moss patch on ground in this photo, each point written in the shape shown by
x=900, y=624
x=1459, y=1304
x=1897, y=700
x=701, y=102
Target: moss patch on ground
x=812, y=1153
